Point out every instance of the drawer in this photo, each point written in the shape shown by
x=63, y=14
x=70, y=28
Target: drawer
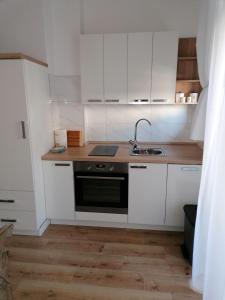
x=22, y=220
x=16, y=200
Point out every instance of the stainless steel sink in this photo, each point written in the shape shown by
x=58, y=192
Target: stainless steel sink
x=147, y=151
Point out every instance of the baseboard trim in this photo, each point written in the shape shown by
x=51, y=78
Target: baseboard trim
x=37, y=232
x=116, y=225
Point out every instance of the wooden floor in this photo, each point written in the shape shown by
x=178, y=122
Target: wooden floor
x=85, y=263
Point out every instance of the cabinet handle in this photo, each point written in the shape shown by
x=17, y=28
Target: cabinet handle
x=138, y=167
x=23, y=130
x=159, y=100
x=140, y=101
x=94, y=100
x=7, y=201
x=190, y=169
x=112, y=100
x=62, y=165
x=8, y=220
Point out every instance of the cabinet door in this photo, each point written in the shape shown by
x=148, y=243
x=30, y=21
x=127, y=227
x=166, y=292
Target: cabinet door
x=139, y=67
x=164, y=67
x=147, y=194
x=92, y=68
x=182, y=188
x=15, y=158
x=59, y=190
x=115, y=68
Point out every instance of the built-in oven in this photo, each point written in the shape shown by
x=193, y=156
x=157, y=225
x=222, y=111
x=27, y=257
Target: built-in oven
x=101, y=187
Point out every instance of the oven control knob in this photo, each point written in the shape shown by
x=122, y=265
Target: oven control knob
x=89, y=168
x=111, y=169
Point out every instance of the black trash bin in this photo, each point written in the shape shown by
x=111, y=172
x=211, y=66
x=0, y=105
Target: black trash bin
x=190, y=212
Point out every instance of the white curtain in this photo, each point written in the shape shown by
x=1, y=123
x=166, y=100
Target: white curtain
x=209, y=246
x=204, y=51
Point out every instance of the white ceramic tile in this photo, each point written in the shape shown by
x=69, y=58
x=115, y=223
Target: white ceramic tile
x=119, y=132
x=126, y=113
x=171, y=113
x=95, y=114
x=71, y=116
x=116, y=122
x=96, y=132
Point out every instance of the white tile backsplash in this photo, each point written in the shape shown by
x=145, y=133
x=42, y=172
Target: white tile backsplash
x=68, y=116
x=116, y=122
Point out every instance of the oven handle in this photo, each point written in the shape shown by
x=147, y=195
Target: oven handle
x=100, y=177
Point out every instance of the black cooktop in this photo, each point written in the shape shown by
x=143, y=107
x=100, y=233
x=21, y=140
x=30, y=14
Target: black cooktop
x=104, y=151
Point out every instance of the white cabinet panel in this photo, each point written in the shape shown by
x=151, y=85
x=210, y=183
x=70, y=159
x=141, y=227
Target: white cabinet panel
x=147, y=193
x=182, y=188
x=92, y=68
x=59, y=189
x=115, y=68
x=164, y=67
x=13, y=200
x=22, y=220
x=15, y=158
x=139, y=67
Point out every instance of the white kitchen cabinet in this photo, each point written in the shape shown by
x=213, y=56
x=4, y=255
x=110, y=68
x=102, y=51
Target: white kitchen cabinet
x=59, y=189
x=15, y=158
x=25, y=136
x=92, y=68
x=115, y=68
x=147, y=193
x=139, y=67
x=164, y=67
x=182, y=188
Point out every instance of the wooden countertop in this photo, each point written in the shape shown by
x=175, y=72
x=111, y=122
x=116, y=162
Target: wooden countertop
x=22, y=56
x=175, y=153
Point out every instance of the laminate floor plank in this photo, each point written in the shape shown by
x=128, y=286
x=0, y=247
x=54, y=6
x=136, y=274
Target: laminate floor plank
x=90, y=263
x=42, y=290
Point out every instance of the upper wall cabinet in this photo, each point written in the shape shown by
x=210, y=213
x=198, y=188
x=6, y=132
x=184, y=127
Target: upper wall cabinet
x=139, y=67
x=129, y=68
x=164, y=67
x=104, y=55
x=115, y=68
x=92, y=68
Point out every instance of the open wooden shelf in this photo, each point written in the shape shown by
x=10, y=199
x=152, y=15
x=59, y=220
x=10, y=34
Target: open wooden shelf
x=188, y=80
x=187, y=67
x=187, y=58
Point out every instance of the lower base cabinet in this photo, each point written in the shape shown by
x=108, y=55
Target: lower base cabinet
x=59, y=189
x=182, y=188
x=147, y=194
x=157, y=194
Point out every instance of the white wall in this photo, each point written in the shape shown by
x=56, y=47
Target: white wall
x=22, y=27
x=62, y=29
x=108, y=16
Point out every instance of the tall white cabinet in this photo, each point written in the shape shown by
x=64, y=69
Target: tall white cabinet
x=25, y=136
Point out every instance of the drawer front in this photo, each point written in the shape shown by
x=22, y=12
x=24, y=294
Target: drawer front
x=16, y=200
x=22, y=220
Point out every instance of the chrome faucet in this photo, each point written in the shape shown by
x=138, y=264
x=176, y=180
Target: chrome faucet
x=134, y=142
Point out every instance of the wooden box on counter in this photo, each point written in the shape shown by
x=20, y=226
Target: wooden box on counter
x=74, y=138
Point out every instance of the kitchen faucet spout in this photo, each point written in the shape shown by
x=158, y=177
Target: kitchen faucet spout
x=134, y=142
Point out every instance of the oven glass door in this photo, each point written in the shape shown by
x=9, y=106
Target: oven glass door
x=101, y=192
